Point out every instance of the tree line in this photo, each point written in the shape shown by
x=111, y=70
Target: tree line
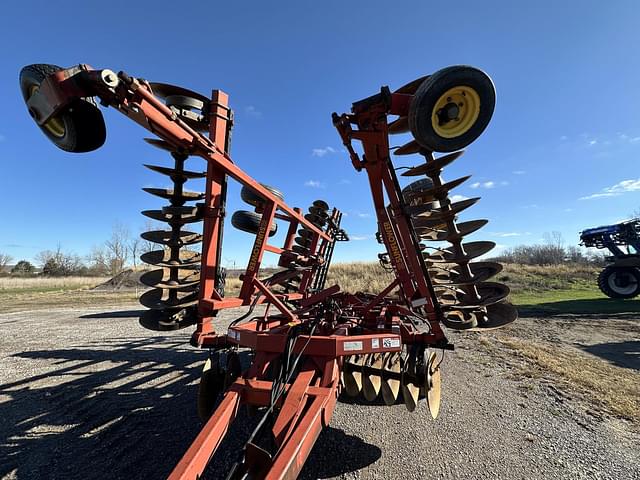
x=109, y=258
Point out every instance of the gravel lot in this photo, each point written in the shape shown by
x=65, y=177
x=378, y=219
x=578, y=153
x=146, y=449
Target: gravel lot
x=88, y=393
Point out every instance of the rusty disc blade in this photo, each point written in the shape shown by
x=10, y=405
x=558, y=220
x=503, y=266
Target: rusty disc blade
x=472, y=250
x=172, y=172
x=371, y=382
x=433, y=167
x=439, y=216
x=390, y=386
x=498, y=315
x=464, y=229
x=300, y=249
x=480, y=272
x=352, y=377
x=303, y=232
x=433, y=389
x=163, y=258
x=411, y=87
x=169, y=278
x=489, y=293
x=165, y=215
x=400, y=125
x=170, y=239
x=303, y=241
x=174, y=319
x=170, y=194
x=158, y=299
x=460, y=319
x=408, y=148
x=436, y=192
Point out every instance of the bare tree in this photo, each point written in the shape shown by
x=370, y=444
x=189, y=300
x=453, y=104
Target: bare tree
x=98, y=262
x=58, y=263
x=146, y=245
x=117, y=248
x=135, y=244
x=4, y=260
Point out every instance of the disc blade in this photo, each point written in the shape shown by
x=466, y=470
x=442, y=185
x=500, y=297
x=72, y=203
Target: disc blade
x=390, y=387
x=209, y=388
x=169, y=194
x=164, y=90
x=172, y=172
x=471, y=250
x=371, y=382
x=435, y=192
x=162, y=258
x=408, y=148
x=168, y=238
x=412, y=86
x=463, y=229
x=480, y=272
x=410, y=395
x=172, y=218
x=433, y=167
x=171, y=278
x=158, y=299
x=163, y=320
x=400, y=125
x=352, y=377
x=488, y=292
x=433, y=390
x=460, y=319
x=498, y=316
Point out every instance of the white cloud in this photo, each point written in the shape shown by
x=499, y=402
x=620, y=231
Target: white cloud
x=251, y=111
x=568, y=209
x=592, y=142
x=489, y=184
x=344, y=181
x=313, y=184
x=360, y=237
x=616, y=190
x=634, y=139
x=321, y=152
x=518, y=172
x=510, y=234
x=504, y=183
x=363, y=215
x=563, y=137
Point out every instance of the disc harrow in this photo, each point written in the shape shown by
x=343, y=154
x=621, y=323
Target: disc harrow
x=310, y=342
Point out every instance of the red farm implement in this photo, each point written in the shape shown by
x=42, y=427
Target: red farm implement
x=311, y=340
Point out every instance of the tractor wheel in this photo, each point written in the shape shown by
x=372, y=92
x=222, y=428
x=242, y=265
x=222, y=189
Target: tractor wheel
x=250, y=222
x=452, y=108
x=619, y=282
x=79, y=128
x=252, y=198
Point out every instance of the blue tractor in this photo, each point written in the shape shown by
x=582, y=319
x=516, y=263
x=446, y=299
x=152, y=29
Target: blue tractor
x=620, y=279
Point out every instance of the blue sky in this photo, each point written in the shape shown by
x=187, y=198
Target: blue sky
x=561, y=153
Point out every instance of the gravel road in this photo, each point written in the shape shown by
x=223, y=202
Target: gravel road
x=91, y=394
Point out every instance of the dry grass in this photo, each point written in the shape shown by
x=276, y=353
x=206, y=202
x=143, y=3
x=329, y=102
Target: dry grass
x=48, y=283
x=612, y=388
x=359, y=277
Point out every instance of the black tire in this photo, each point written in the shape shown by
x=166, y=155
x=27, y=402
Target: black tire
x=252, y=198
x=250, y=222
x=619, y=282
x=79, y=128
x=423, y=107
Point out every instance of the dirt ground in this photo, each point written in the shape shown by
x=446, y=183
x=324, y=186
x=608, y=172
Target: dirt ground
x=88, y=393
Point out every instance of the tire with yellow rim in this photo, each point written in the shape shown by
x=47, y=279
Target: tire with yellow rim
x=452, y=108
x=79, y=127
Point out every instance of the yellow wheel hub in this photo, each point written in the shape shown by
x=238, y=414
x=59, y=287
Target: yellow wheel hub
x=55, y=126
x=455, y=112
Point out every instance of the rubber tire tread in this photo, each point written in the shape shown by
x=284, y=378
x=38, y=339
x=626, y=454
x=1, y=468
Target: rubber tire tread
x=603, y=281
x=83, y=122
x=252, y=198
x=431, y=90
x=250, y=222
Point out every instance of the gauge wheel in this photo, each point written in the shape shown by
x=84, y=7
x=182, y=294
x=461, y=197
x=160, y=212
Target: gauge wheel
x=250, y=222
x=79, y=127
x=619, y=282
x=452, y=108
x=252, y=198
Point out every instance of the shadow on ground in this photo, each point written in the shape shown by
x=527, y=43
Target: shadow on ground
x=127, y=407
x=622, y=354
x=595, y=306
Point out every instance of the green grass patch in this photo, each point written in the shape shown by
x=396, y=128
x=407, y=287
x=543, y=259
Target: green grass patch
x=576, y=300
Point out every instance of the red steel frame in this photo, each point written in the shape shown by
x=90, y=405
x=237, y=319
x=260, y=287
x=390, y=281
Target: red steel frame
x=365, y=324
